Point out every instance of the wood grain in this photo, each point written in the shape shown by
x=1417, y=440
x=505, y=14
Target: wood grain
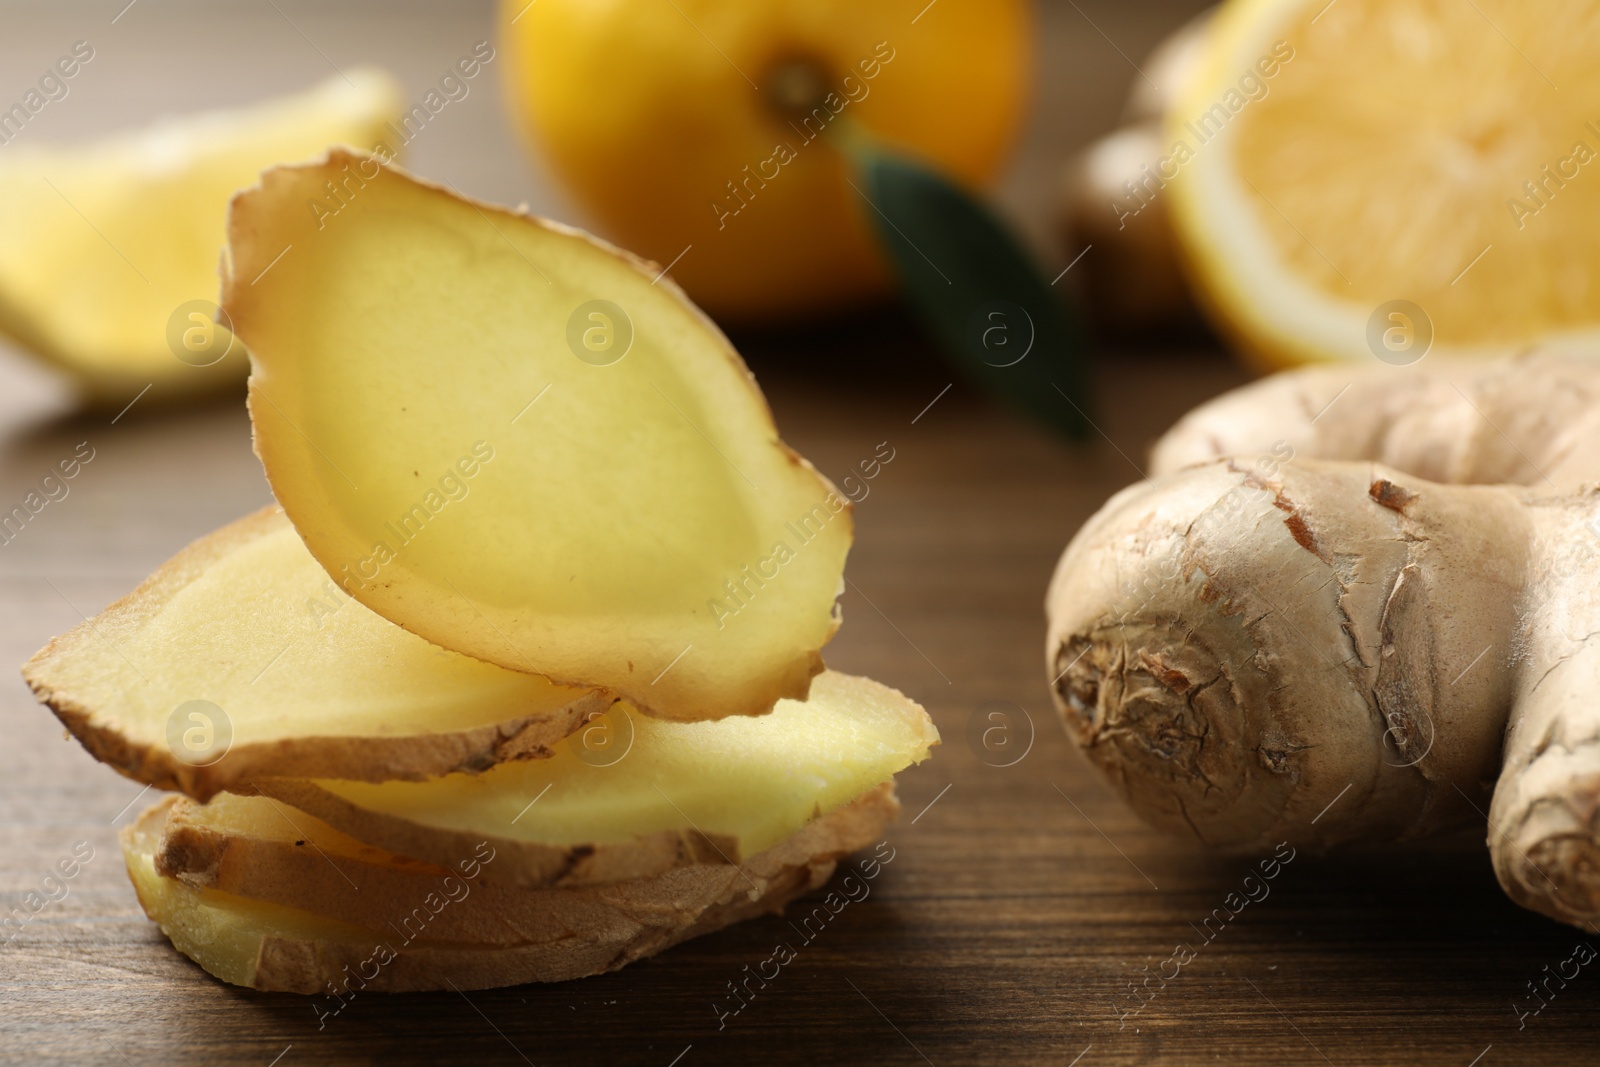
x=1022, y=900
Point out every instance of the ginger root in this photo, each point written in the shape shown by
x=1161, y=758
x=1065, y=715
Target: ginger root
x=1356, y=604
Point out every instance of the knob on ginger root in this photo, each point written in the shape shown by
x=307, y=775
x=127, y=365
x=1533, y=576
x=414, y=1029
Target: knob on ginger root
x=1310, y=623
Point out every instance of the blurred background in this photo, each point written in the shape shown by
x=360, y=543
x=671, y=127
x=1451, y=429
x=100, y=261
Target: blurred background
x=181, y=56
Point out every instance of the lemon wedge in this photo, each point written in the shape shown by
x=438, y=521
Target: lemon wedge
x=109, y=264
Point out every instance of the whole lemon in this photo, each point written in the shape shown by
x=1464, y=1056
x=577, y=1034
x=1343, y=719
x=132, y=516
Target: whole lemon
x=707, y=134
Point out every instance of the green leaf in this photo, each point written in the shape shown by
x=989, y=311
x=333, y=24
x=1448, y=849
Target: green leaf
x=976, y=290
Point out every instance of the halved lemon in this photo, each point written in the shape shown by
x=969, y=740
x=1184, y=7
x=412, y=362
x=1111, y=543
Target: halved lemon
x=108, y=267
x=1362, y=178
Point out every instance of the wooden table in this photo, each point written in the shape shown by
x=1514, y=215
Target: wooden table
x=1022, y=900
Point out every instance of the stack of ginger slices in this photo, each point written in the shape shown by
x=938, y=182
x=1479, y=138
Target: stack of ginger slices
x=521, y=679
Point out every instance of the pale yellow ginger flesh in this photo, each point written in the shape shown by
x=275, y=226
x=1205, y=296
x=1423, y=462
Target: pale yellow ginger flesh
x=630, y=796
x=527, y=446
x=531, y=935
x=239, y=658
x=258, y=848
x=1300, y=641
x=105, y=241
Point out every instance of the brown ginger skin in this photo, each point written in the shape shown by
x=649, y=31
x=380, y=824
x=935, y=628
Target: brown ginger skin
x=1308, y=625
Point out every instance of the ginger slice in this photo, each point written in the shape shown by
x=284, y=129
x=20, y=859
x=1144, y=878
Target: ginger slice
x=257, y=848
x=631, y=796
x=239, y=658
x=526, y=445
x=573, y=933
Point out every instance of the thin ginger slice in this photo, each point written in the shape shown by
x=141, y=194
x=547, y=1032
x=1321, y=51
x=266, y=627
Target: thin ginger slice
x=239, y=658
x=526, y=445
x=572, y=933
x=257, y=848
x=108, y=242
x=630, y=796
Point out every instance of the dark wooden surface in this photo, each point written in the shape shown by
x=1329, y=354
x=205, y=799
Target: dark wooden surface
x=1019, y=905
